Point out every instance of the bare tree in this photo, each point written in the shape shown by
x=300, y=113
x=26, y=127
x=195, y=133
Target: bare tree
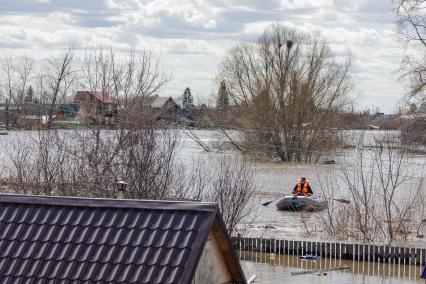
x=60, y=76
x=287, y=87
x=411, y=23
x=15, y=76
x=139, y=150
x=24, y=70
x=8, y=87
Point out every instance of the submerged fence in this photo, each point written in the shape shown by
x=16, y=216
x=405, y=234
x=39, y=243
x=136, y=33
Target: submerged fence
x=356, y=252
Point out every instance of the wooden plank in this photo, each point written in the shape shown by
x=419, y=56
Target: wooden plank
x=332, y=250
x=328, y=249
x=373, y=253
x=368, y=252
x=317, y=248
x=386, y=254
x=356, y=252
x=417, y=259
x=399, y=255
x=404, y=255
x=349, y=248
x=381, y=253
x=258, y=244
x=392, y=254
x=413, y=256
x=268, y=245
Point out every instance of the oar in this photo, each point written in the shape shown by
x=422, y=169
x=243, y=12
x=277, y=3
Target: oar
x=269, y=202
x=342, y=200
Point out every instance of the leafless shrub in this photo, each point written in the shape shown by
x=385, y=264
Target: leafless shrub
x=194, y=183
x=232, y=187
x=305, y=221
x=19, y=154
x=385, y=189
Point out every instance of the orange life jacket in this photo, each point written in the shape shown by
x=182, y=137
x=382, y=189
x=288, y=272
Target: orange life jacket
x=305, y=188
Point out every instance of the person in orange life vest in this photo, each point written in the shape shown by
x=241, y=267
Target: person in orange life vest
x=302, y=188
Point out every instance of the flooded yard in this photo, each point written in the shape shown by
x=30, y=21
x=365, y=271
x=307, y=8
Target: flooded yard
x=277, y=268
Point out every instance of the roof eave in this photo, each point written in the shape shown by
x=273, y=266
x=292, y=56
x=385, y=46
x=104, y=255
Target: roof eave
x=227, y=250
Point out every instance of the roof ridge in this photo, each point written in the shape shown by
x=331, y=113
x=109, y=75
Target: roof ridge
x=109, y=202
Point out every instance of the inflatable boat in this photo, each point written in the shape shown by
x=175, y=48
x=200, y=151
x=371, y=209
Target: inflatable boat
x=299, y=203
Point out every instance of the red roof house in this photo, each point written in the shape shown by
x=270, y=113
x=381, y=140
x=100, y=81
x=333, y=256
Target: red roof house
x=96, y=107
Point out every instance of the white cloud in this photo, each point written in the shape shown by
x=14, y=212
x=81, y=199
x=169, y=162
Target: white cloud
x=193, y=35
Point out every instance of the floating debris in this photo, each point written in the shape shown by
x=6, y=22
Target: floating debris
x=319, y=271
x=310, y=257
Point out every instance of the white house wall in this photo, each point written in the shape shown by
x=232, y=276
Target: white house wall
x=211, y=268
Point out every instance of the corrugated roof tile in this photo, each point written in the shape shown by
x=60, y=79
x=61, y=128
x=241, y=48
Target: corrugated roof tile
x=58, y=240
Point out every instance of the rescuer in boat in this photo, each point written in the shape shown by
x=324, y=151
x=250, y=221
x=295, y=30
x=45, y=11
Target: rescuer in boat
x=302, y=188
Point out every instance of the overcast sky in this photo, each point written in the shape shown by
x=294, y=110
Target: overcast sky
x=192, y=36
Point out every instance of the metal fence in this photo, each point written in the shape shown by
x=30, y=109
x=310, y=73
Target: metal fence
x=337, y=250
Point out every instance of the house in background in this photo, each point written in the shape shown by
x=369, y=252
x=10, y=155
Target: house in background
x=96, y=107
x=162, y=104
x=163, y=107
x=82, y=240
x=158, y=107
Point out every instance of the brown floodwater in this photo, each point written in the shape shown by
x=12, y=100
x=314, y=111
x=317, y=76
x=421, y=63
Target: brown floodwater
x=276, y=268
x=272, y=180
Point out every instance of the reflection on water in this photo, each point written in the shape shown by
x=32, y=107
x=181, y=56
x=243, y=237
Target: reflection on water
x=276, y=268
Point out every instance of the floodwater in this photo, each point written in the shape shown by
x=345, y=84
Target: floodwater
x=277, y=268
x=272, y=181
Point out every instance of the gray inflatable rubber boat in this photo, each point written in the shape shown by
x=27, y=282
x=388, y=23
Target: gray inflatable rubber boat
x=299, y=203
